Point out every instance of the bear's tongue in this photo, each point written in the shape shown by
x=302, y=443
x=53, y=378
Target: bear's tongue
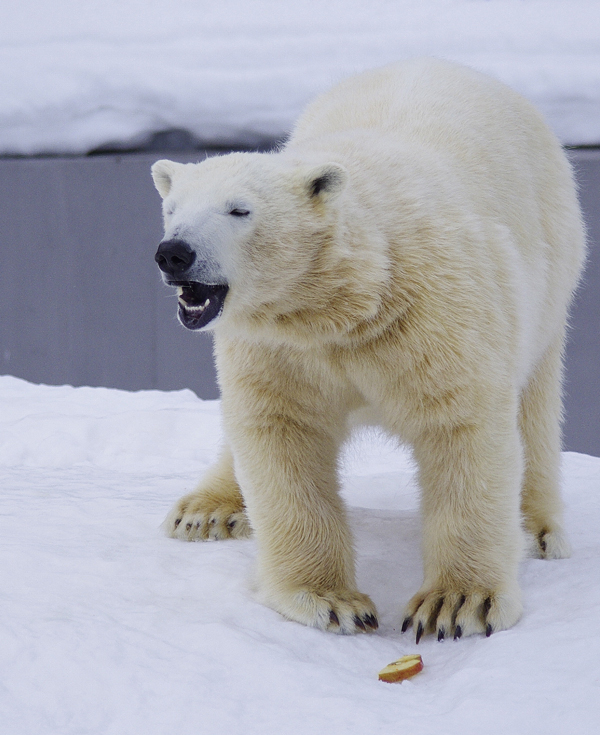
x=199, y=304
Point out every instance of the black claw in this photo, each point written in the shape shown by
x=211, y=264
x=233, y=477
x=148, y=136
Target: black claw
x=541, y=541
x=177, y=522
x=457, y=633
x=359, y=623
x=406, y=624
x=231, y=524
x=441, y=634
x=333, y=618
x=488, y=630
x=419, y=631
x=371, y=621
x=188, y=526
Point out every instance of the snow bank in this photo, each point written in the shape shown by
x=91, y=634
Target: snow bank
x=108, y=627
x=78, y=76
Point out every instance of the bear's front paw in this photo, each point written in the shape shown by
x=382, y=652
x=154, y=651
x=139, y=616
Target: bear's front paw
x=204, y=517
x=456, y=613
x=344, y=612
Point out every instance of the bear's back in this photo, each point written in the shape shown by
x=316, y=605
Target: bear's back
x=476, y=138
x=434, y=102
x=483, y=138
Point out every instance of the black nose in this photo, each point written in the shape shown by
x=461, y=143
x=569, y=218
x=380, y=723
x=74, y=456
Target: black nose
x=174, y=257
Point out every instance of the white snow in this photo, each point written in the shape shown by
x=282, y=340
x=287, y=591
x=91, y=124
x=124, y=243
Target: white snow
x=108, y=627
x=75, y=76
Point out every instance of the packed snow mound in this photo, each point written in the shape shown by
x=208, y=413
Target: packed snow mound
x=110, y=627
x=81, y=76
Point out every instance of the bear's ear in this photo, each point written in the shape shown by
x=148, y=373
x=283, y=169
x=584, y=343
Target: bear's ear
x=326, y=181
x=162, y=173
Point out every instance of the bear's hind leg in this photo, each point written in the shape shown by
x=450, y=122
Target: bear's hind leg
x=215, y=510
x=540, y=419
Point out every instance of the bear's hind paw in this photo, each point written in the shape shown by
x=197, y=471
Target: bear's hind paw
x=191, y=519
x=551, y=545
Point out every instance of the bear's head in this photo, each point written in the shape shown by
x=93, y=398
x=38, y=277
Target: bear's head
x=244, y=228
x=256, y=240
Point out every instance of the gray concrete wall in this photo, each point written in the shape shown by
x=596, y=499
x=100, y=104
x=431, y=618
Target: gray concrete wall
x=82, y=302
x=582, y=389
x=80, y=294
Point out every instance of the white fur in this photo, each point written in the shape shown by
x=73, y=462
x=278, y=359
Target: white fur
x=410, y=253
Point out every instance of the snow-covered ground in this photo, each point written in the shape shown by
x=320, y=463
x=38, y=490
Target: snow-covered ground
x=78, y=75
x=108, y=627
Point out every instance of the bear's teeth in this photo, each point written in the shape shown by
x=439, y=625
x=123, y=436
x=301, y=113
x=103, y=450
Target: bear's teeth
x=195, y=309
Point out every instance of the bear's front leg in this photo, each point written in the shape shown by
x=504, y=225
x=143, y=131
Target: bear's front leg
x=285, y=444
x=472, y=540
x=214, y=511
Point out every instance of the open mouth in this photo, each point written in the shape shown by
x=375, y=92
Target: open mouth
x=199, y=303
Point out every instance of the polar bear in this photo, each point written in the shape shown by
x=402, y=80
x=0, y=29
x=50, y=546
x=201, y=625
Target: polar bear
x=407, y=258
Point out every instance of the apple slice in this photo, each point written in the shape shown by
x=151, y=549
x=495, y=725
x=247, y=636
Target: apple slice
x=403, y=668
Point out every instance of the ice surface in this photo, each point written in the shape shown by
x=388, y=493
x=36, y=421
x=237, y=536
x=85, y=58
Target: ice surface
x=76, y=76
x=109, y=627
